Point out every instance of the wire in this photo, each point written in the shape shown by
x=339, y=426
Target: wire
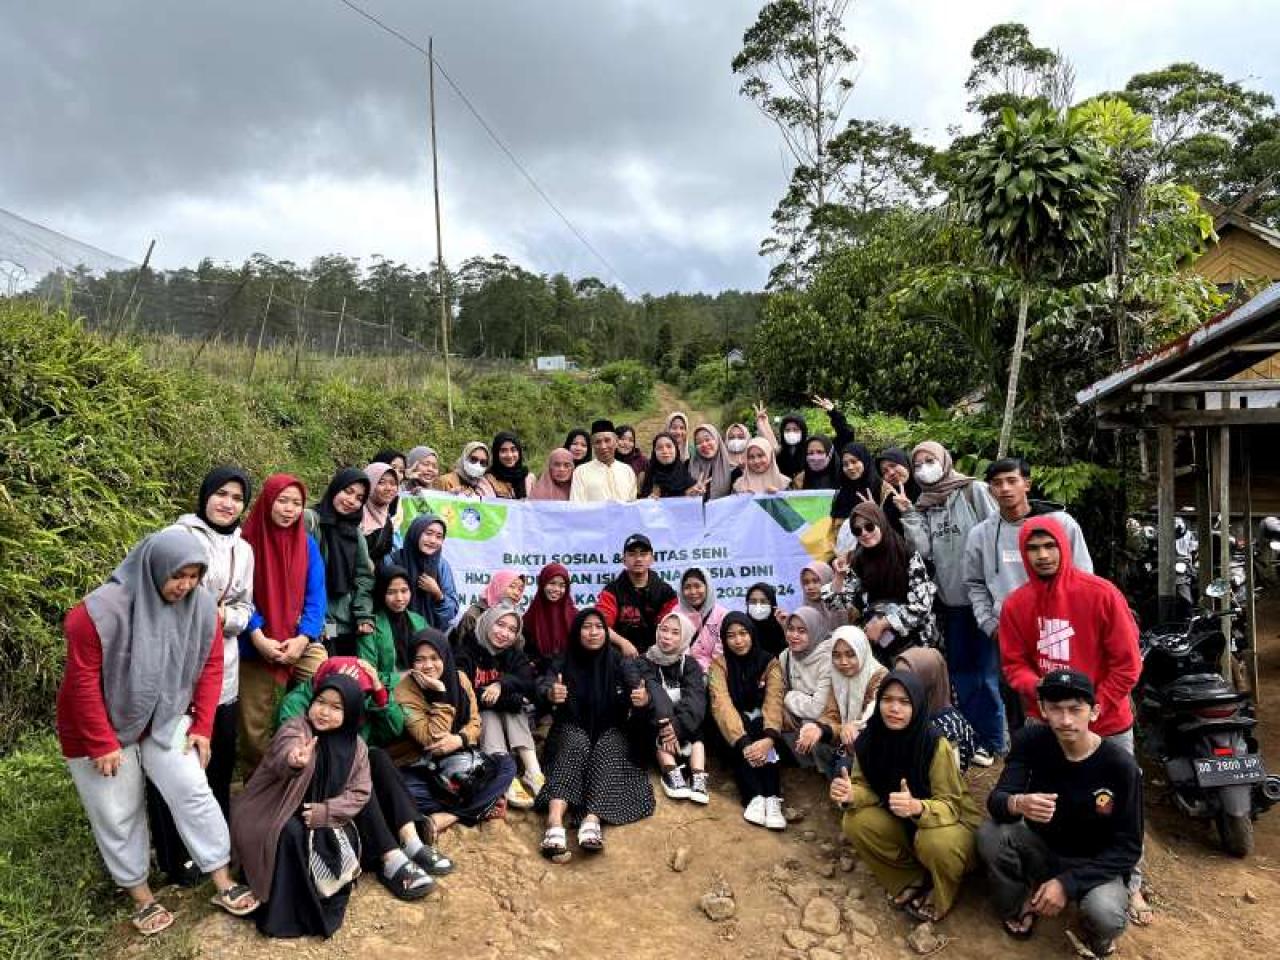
x=493, y=135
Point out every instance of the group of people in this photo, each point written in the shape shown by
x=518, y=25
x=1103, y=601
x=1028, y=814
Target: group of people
x=323, y=652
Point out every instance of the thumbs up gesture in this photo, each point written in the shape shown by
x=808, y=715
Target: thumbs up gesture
x=640, y=696
x=903, y=804
x=842, y=787
x=559, y=692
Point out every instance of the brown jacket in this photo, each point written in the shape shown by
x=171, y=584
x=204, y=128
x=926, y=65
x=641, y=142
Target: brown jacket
x=426, y=721
x=726, y=714
x=274, y=794
x=830, y=717
x=451, y=483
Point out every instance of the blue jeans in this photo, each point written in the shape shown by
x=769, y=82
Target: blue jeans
x=974, y=662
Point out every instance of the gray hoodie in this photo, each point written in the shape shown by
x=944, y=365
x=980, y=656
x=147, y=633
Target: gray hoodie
x=993, y=566
x=938, y=535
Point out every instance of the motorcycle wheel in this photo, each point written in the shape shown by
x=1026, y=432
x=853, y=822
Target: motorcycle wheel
x=1236, y=834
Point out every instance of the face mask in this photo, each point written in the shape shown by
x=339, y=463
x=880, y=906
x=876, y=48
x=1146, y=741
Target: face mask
x=475, y=470
x=736, y=444
x=818, y=461
x=759, y=611
x=929, y=473
x=792, y=436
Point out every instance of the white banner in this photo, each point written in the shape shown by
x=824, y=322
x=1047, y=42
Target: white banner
x=740, y=540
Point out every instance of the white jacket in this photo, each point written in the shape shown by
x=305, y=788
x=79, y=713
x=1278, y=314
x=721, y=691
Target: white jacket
x=229, y=580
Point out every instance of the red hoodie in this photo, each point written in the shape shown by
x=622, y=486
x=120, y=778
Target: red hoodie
x=1074, y=620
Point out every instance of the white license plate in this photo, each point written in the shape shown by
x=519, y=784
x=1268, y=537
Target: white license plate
x=1225, y=771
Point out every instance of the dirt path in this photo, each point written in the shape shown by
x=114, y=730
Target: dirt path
x=666, y=400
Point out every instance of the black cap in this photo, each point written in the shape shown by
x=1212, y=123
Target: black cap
x=637, y=541
x=602, y=426
x=1057, y=685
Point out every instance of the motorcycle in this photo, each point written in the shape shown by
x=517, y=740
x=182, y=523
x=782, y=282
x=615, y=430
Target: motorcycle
x=1266, y=551
x=1201, y=728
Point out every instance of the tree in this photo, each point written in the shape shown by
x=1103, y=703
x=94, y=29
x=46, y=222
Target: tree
x=1009, y=71
x=878, y=166
x=796, y=67
x=1037, y=191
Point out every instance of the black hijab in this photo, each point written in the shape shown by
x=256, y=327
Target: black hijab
x=518, y=475
x=453, y=694
x=745, y=672
x=768, y=632
x=386, y=456
x=336, y=750
x=791, y=456
x=214, y=479
x=416, y=563
x=887, y=757
x=592, y=677
x=671, y=479
x=568, y=445
x=340, y=533
x=883, y=570
x=827, y=478
x=868, y=485
x=401, y=625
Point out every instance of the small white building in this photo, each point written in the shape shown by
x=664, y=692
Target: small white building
x=551, y=364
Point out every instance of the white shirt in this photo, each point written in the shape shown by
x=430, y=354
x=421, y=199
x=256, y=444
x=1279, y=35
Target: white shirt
x=596, y=482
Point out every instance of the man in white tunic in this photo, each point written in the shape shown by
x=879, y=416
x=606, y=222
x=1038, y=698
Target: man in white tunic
x=604, y=478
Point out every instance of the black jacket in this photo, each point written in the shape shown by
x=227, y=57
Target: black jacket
x=511, y=667
x=686, y=676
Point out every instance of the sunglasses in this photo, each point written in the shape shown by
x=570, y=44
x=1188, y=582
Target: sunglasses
x=860, y=528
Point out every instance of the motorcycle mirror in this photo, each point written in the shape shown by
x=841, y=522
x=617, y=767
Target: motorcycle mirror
x=1217, y=589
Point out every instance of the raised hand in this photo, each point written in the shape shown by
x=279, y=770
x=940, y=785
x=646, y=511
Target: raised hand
x=761, y=411
x=824, y=403
x=559, y=692
x=900, y=498
x=301, y=755
x=640, y=696
x=903, y=804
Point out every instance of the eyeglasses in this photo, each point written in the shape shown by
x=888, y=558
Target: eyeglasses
x=860, y=528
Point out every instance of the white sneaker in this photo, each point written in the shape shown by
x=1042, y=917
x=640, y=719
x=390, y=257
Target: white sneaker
x=755, y=812
x=982, y=757
x=773, y=818
x=698, y=787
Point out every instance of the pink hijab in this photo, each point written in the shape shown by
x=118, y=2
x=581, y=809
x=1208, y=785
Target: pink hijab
x=544, y=488
x=495, y=591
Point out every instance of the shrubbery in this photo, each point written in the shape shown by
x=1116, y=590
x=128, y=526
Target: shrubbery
x=632, y=380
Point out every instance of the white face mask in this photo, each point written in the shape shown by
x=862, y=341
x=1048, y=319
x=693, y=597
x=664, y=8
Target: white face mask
x=475, y=470
x=929, y=473
x=759, y=611
x=736, y=444
x=792, y=436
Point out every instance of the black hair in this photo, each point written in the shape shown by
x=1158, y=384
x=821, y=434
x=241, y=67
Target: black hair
x=1008, y=465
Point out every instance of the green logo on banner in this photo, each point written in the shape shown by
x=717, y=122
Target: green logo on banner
x=466, y=519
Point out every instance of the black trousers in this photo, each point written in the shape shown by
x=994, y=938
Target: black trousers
x=389, y=808
x=761, y=781
x=171, y=853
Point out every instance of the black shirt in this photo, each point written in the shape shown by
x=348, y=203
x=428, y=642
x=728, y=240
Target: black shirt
x=633, y=612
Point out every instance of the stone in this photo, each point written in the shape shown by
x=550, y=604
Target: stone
x=799, y=939
x=856, y=892
x=847, y=863
x=801, y=892
x=836, y=943
x=859, y=922
x=1250, y=897
x=786, y=953
x=808, y=836
x=860, y=939
x=923, y=940
x=680, y=860
x=793, y=814
x=822, y=953
x=821, y=916
x=780, y=873
x=827, y=848
x=827, y=870
x=717, y=908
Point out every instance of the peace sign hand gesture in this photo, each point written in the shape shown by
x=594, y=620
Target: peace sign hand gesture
x=824, y=403
x=761, y=411
x=301, y=755
x=900, y=498
x=864, y=497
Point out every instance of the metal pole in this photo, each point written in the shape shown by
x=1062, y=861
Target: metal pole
x=435, y=189
x=1224, y=536
x=1166, y=583
x=262, y=329
x=342, y=315
x=1250, y=611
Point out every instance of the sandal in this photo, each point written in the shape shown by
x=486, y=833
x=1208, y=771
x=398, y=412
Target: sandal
x=922, y=909
x=1140, y=916
x=909, y=894
x=555, y=845
x=142, y=919
x=1020, y=932
x=406, y=884
x=433, y=861
x=591, y=836
x=238, y=900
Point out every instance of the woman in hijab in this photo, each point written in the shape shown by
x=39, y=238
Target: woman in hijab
x=821, y=471
x=422, y=468
x=930, y=668
x=709, y=465
x=889, y=583
x=550, y=616
x=678, y=686
x=895, y=472
x=745, y=686
x=435, y=595
x=470, y=475
x=700, y=605
x=668, y=475
x=578, y=443
x=442, y=719
x=381, y=518
x=283, y=642
x=760, y=473
x=677, y=426
x=557, y=480
x=504, y=586
x=907, y=810
x=858, y=483
x=297, y=814
x=503, y=678
x=137, y=701
x=228, y=579
x=629, y=451
x=806, y=682
x=511, y=479
x=348, y=571
x=791, y=450
x=392, y=458
x=394, y=625
x=736, y=438
x=816, y=586
x=766, y=618
x=594, y=694
x=855, y=678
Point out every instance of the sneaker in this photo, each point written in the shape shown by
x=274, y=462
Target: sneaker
x=755, y=811
x=517, y=797
x=698, y=787
x=982, y=757
x=773, y=818
x=533, y=782
x=673, y=784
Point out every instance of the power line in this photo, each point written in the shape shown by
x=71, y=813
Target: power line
x=493, y=135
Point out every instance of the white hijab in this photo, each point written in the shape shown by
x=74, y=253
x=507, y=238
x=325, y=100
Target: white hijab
x=850, y=691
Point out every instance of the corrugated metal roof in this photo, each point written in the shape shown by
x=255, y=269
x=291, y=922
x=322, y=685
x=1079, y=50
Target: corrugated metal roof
x=1205, y=335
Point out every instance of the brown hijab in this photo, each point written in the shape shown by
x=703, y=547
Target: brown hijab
x=928, y=664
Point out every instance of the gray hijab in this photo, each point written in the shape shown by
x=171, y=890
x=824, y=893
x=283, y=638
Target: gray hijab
x=152, y=651
x=486, y=621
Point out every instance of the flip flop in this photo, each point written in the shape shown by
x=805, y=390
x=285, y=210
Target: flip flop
x=920, y=910
x=1140, y=917
x=143, y=914
x=1020, y=934
x=238, y=900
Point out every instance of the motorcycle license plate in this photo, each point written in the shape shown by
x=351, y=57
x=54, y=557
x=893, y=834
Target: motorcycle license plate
x=1226, y=771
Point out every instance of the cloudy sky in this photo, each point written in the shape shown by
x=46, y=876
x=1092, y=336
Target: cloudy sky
x=296, y=128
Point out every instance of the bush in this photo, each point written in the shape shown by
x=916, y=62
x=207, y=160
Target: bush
x=631, y=380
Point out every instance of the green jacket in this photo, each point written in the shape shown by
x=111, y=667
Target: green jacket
x=355, y=607
x=382, y=725
x=379, y=648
